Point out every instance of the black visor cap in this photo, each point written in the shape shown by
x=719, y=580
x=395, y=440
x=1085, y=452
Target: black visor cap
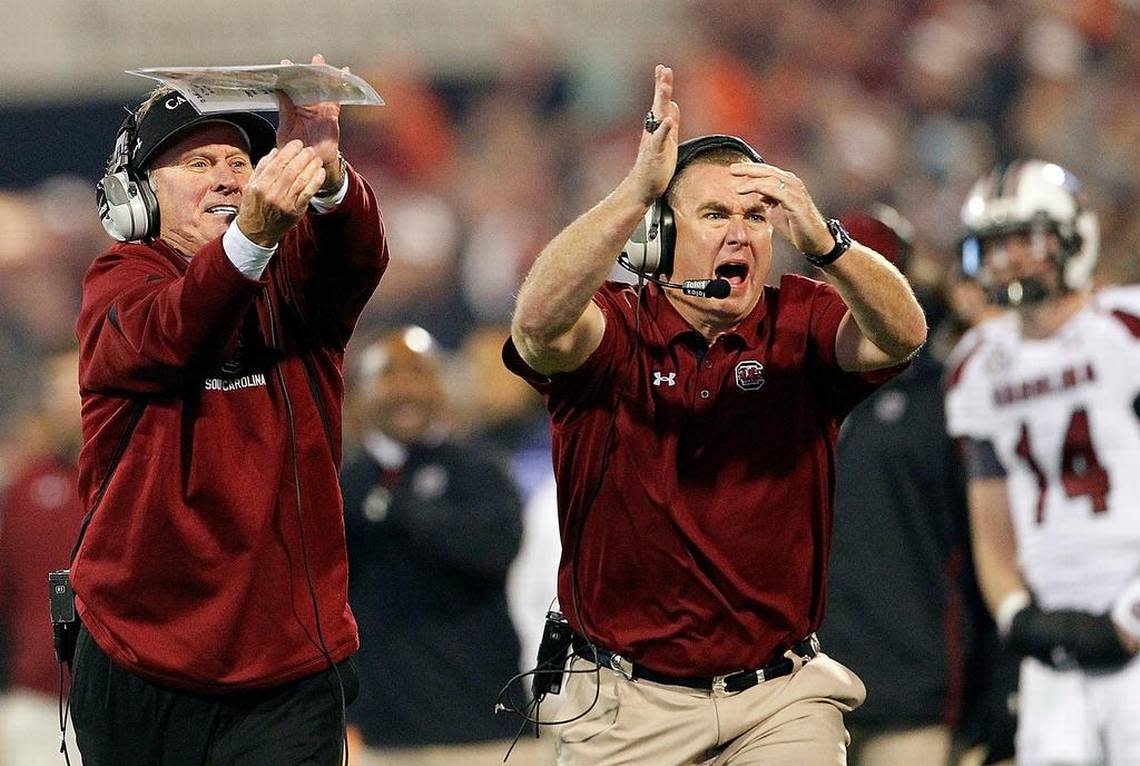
x=172, y=115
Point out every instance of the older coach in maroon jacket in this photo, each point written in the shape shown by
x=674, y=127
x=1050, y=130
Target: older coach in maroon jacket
x=211, y=579
x=694, y=446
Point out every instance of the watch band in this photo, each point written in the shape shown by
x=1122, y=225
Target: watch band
x=343, y=169
x=842, y=243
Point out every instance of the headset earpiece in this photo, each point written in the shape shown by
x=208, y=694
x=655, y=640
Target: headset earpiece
x=128, y=208
x=650, y=247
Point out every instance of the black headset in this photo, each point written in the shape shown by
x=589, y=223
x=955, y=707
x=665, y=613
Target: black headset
x=649, y=250
x=128, y=208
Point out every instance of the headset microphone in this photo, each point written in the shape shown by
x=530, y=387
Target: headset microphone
x=710, y=288
x=701, y=288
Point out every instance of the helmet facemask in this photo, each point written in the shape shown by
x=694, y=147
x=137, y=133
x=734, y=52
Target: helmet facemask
x=1003, y=273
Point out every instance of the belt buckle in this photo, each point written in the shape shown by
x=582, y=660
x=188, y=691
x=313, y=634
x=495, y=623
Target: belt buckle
x=720, y=683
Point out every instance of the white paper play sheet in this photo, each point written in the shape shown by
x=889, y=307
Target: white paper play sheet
x=251, y=88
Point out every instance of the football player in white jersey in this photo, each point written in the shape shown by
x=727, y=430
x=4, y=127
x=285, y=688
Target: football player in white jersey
x=1045, y=402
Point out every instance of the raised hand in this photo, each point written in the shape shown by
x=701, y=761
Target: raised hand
x=278, y=192
x=657, y=152
x=317, y=126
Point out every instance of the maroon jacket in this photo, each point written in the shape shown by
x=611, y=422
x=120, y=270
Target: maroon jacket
x=211, y=424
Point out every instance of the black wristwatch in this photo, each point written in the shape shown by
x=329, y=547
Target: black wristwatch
x=842, y=242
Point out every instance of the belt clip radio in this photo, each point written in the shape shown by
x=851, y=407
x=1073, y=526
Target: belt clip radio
x=553, y=651
x=64, y=624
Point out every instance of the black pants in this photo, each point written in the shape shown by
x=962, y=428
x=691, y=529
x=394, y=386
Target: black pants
x=123, y=720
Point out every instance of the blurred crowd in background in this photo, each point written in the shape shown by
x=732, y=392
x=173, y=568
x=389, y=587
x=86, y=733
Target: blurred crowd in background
x=904, y=103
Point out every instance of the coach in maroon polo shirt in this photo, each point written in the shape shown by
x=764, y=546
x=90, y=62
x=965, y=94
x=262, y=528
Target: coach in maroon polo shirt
x=694, y=445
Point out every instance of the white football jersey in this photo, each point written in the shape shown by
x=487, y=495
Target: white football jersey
x=1063, y=416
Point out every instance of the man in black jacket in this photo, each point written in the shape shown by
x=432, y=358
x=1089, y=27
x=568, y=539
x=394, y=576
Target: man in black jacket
x=432, y=528
x=902, y=610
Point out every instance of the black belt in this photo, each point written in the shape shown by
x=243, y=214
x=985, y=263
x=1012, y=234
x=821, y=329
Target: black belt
x=730, y=682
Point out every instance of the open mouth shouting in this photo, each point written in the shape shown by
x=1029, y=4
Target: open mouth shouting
x=735, y=272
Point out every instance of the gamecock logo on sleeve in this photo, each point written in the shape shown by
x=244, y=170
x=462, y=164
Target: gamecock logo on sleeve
x=749, y=375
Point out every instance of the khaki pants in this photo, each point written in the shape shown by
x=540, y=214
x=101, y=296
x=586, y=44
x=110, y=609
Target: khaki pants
x=796, y=720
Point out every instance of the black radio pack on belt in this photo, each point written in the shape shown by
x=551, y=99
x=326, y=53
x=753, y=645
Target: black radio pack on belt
x=64, y=624
x=552, y=653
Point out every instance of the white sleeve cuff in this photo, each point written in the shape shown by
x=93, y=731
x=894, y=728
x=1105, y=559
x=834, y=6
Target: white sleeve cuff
x=247, y=257
x=330, y=203
x=1126, y=610
x=1009, y=607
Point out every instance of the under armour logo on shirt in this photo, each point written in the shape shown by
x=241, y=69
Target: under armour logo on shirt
x=669, y=380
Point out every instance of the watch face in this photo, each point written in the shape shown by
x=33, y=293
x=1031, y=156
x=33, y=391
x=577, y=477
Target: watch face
x=842, y=238
x=842, y=242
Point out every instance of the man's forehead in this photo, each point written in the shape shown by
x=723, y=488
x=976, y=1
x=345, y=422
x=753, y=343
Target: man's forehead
x=399, y=354
x=713, y=184
x=405, y=348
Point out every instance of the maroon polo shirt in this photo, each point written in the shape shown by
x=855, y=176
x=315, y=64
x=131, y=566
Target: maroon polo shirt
x=705, y=549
